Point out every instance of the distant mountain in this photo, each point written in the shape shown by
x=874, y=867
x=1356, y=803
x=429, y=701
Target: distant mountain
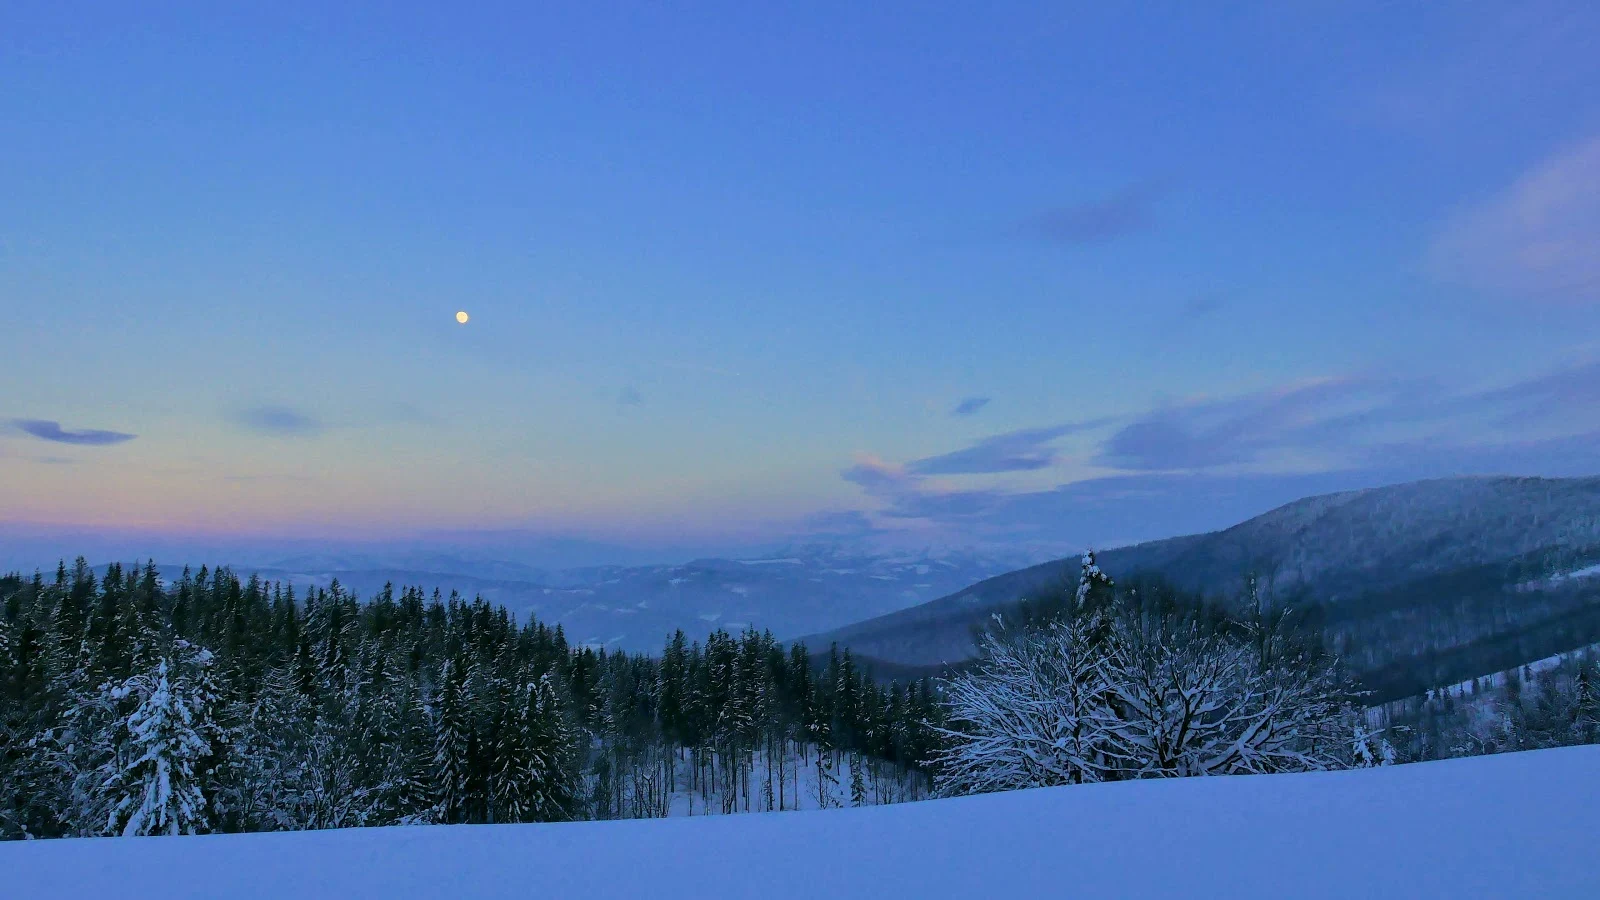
x=636, y=608
x=1423, y=583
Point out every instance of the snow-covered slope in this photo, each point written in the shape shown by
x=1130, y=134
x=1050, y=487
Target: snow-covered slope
x=1517, y=825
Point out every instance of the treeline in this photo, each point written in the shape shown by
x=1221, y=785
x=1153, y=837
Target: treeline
x=218, y=704
x=1406, y=638
x=1518, y=709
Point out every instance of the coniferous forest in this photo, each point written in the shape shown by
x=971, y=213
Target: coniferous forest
x=217, y=704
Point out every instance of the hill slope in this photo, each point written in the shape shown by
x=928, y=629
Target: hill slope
x=1499, y=826
x=1411, y=574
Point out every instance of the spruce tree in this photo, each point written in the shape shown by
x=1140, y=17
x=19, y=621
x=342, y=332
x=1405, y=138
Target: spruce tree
x=1586, y=703
x=153, y=782
x=1094, y=586
x=452, y=745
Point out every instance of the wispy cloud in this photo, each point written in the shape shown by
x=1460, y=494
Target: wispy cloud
x=1249, y=428
x=875, y=475
x=909, y=495
x=1016, y=451
x=969, y=406
x=1125, y=212
x=1355, y=422
x=280, y=421
x=46, y=430
x=1538, y=239
x=1208, y=463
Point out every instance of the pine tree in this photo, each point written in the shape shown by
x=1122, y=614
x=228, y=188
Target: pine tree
x=452, y=745
x=1094, y=586
x=153, y=782
x=858, y=784
x=517, y=778
x=1586, y=706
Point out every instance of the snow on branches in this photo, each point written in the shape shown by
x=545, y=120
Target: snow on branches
x=151, y=783
x=1031, y=713
x=1098, y=696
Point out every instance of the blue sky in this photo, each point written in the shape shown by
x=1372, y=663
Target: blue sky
x=742, y=274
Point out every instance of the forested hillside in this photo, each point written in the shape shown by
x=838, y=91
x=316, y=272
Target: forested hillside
x=214, y=704
x=1419, y=584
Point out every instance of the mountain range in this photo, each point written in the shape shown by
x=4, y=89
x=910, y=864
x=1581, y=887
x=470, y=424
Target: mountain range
x=1419, y=584
x=637, y=608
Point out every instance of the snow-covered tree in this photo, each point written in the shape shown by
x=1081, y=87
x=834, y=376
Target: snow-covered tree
x=452, y=737
x=1187, y=703
x=1135, y=690
x=263, y=787
x=1586, y=719
x=1370, y=749
x=515, y=783
x=1031, y=712
x=858, y=782
x=152, y=785
x=1094, y=585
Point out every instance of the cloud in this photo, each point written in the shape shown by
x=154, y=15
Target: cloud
x=1559, y=395
x=908, y=495
x=1207, y=464
x=877, y=476
x=280, y=421
x=969, y=406
x=52, y=431
x=1538, y=239
x=1017, y=451
x=1128, y=211
x=1128, y=508
x=1319, y=417
x=629, y=396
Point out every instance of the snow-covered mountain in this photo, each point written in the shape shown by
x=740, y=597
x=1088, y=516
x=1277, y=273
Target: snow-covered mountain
x=1512, y=825
x=636, y=608
x=1424, y=583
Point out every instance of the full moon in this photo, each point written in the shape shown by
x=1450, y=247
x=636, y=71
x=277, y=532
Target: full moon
x=462, y=317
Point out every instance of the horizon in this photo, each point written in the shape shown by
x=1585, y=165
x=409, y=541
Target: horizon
x=748, y=279
x=32, y=548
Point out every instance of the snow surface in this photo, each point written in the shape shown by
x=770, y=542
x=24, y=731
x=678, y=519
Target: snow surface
x=1514, y=825
x=1586, y=572
x=1468, y=687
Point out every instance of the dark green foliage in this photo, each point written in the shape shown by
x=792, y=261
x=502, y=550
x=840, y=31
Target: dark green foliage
x=326, y=711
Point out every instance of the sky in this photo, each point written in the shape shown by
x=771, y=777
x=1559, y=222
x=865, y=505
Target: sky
x=742, y=274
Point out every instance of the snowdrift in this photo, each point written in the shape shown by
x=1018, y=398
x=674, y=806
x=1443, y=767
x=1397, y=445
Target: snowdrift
x=1515, y=825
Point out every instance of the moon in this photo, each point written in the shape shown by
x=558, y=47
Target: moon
x=462, y=317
